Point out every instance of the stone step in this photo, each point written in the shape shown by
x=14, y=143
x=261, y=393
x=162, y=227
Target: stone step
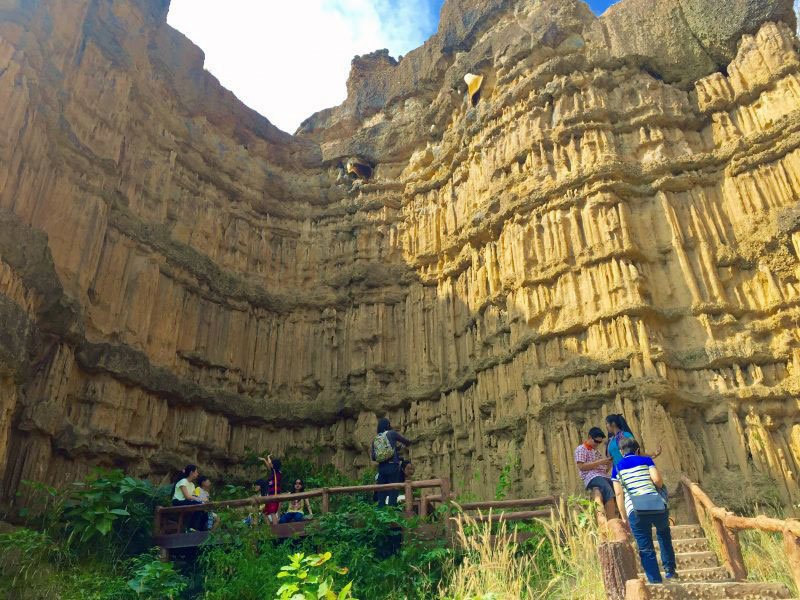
x=691, y=560
x=695, y=560
x=704, y=574
x=698, y=544
x=715, y=573
x=714, y=591
x=680, y=532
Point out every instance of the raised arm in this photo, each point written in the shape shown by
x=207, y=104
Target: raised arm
x=655, y=454
x=402, y=440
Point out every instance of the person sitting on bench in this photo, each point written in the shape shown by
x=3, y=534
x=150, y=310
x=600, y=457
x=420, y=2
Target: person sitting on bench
x=295, y=512
x=183, y=495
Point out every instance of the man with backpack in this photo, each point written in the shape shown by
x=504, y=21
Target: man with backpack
x=384, y=452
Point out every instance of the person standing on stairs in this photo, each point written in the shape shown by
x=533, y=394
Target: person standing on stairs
x=637, y=482
x=594, y=469
x=384, y=452
x=618, y=430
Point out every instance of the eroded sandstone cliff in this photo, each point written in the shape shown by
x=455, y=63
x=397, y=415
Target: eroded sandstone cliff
x=614, y=227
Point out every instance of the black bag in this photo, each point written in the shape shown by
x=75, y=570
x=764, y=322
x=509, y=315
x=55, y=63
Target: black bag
x=646, y=504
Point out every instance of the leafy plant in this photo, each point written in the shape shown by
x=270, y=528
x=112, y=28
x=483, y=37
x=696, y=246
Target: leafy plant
x=507, y=476
x=110, y=511
x=243, y=566
x=155, y=579
x=312, y=578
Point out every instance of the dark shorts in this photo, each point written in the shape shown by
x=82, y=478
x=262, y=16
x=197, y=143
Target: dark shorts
x=604, y=485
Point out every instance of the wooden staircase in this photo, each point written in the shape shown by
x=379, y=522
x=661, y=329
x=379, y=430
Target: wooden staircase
x=700, y=572
x=700, y=575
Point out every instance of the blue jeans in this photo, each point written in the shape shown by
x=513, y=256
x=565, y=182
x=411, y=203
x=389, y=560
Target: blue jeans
x=291, y=517
x=642, y=529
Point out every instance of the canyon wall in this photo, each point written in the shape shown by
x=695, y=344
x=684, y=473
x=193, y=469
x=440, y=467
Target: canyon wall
x=613, y=225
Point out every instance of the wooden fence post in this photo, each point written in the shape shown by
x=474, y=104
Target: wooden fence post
x=618, y=564
x=445, y=487
x=409, y=493
x=691, y=507
x=791, y=545
x=731, y=550
x=326, y=501
x=157, y=522
x=423, y=505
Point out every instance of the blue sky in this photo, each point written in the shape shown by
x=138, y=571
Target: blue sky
x=287, y=60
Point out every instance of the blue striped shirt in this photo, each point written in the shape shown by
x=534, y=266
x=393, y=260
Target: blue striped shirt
x=634, y=471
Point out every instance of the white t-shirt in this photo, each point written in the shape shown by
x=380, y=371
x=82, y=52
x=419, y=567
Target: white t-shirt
x=178, y=495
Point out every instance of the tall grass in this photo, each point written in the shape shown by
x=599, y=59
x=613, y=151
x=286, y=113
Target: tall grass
x=488, y=570
x=573, y=571
x=559, y=562
x=765, y=558
x=762, y=551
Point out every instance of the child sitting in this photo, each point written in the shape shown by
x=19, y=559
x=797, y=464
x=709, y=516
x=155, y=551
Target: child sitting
x=295, y=512
x=202, y=493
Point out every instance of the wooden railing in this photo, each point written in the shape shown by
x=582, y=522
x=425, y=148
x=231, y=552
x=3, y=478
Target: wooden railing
x=169, y=525
x=500, y=505
x=164, y=513
x=728, y=525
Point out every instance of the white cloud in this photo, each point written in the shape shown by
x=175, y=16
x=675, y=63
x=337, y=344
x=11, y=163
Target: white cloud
x=288, y=60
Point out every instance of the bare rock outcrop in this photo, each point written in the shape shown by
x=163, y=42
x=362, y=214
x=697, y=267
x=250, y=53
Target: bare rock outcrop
x=614, y=226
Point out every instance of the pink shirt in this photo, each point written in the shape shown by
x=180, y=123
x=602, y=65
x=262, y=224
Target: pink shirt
x=585, y=455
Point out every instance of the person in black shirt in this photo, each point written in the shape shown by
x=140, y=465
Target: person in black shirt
x=389, y=470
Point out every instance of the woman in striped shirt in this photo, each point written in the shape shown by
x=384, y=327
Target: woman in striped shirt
x=636, y=475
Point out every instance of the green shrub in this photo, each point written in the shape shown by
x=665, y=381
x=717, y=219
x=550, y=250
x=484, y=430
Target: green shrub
x=34, y=566
x=744, y=494
x=240, y=562
x=110, y=513
x=312, y=578
x=155, y=579
x=24, y=550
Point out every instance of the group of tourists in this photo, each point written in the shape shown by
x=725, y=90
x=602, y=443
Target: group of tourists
x=187, y=493
x=193, y=489
x=632, y=487
x=627, y=478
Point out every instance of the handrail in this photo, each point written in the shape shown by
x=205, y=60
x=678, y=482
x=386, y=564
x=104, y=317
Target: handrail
x=733, y=521
x=324, y=493
x=727, y=526
x=286, y=497
x=542, y=501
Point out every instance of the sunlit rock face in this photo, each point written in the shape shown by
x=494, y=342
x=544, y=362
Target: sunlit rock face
x=614, y=226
